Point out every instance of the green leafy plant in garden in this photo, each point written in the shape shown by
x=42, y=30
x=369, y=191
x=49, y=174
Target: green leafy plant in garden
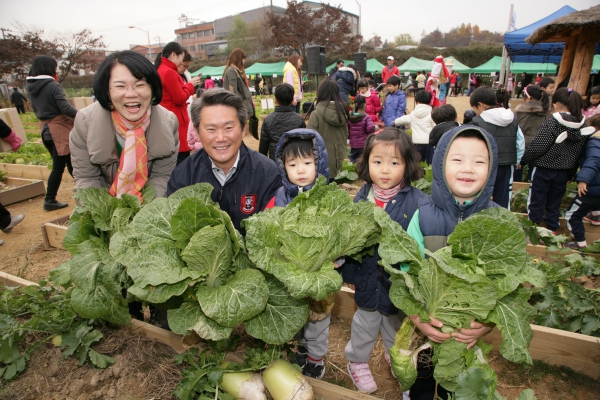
x=565, y=303
x=98, y=277
x=298, y=244
x=479, y=276
x=348, y=172
x=33, y=315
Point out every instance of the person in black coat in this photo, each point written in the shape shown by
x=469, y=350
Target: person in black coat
x=17, y=98
x=283, y=120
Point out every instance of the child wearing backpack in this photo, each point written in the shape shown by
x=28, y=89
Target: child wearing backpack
x=389, y=164
x=395, y=102
x=301, y=156
x=503, y=125
x=421, y=125
x=283, y=119
x=464, y=172
x=588, y=186
x=359, y=127
x=555, y=153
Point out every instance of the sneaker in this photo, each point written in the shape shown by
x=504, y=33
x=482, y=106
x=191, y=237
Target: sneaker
x=574, y=245
x=361, y=376
x=13, y=221
x=594, y=220
x=300, y=357
x=314, y=370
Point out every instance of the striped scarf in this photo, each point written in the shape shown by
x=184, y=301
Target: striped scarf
x=384, y=195
x=132, y=174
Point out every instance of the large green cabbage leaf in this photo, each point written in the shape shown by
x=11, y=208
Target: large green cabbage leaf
x=299, y=243
x=478, y=277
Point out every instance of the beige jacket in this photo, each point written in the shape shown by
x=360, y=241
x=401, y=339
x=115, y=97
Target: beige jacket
x=94, y=151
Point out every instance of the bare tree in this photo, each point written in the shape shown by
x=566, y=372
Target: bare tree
x=17, y=51
x=77, y=51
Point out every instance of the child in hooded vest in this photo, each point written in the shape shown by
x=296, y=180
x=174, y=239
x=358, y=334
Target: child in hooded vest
x=421, y=125
x=503, y=125
x=464, y=171
x=588, y=186
x=389, y=164
x=301, y=156
x=555, y=152
x=359, y=127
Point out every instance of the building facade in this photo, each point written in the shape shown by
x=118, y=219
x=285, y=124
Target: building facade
x=352, y=18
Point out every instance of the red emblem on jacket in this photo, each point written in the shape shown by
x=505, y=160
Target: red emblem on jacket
x=248, y=203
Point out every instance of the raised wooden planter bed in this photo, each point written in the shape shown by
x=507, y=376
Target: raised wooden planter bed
x=554, y=346
x=40, y=172
x=321, y=389
x=22, y=189
x=54, y=231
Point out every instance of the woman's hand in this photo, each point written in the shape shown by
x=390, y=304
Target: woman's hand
x=471, y=336
x=195, y=80
x=430, y=329
x=582, y=189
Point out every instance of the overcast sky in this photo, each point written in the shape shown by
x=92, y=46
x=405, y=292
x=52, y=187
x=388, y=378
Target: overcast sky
x=387, y=18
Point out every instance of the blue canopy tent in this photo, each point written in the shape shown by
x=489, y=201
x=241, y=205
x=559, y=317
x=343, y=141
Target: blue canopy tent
x=521, y=51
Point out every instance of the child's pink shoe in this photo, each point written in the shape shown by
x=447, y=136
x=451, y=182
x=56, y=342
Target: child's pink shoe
x=362, y=377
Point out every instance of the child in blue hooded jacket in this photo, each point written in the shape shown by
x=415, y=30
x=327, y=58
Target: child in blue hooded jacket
x=301, y=156
x=464, y=171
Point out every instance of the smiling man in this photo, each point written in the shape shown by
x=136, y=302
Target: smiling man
x=244, y=180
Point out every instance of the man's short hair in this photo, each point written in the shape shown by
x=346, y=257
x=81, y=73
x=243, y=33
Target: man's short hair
x=444, y=113
x=218, y=97
x=284, y=94
x=394, y=80
x=339, y=61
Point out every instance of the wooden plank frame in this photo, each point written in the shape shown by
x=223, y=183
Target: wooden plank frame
x=321, y=389
x=54, y=231
x=40, y=172
x=24, y=189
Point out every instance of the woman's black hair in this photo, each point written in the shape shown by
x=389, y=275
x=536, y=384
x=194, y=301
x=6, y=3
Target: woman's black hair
x=171, y=47
x=139, y=67
x=502, y=97
x=536, y=93
x=404, y=148
x=423, y=97
x=587, y=102
x=468, y=116
x=359, y=103
x=329, y=91
x=571, y=99
x=484, y=95
x=43, y=65
x=362, y=83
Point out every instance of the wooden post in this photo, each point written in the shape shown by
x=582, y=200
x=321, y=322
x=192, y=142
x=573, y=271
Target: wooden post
x=582, y=64
x=566, y=62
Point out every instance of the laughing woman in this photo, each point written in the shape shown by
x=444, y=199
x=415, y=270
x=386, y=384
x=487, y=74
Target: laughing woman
x=125, y=139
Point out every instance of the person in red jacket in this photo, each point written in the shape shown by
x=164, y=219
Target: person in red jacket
x=175, y=91
x=389, y=70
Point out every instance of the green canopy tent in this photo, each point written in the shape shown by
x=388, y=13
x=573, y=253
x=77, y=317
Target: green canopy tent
x=374, y=66
x=495, y=64
x=414, y=64
x=458, y=66
x=266, y=69
x=596, y=63
x=207, y=70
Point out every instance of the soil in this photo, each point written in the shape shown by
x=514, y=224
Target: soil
x=144, y=369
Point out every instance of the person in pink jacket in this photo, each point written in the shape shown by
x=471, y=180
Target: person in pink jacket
x=373, y=108
x=192, y=139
